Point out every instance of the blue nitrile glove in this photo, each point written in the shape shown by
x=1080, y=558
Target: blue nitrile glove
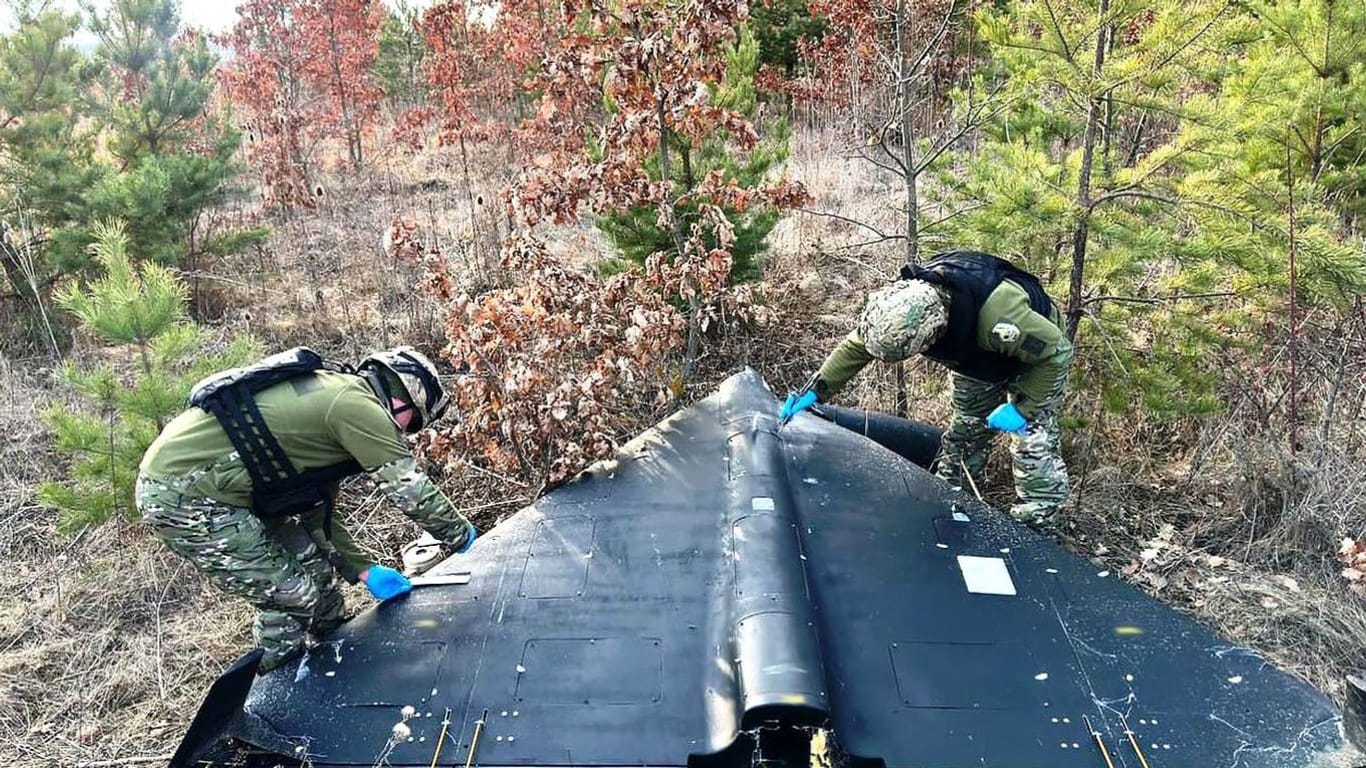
x=385, y=583
x=469, y=541
x=796, y=403
x=1007, y=418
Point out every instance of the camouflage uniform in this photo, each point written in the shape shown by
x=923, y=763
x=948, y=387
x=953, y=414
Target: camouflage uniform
x=194, y=492
x=275, y=565
x=1006, y=326
x=1040, y=475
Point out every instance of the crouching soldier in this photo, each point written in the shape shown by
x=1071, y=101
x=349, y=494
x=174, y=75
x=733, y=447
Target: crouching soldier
x=243, y=483
x=991, y=324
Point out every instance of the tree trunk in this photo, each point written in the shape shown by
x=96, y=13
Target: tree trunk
x=694, y=332
x=349, y=127
x=1293, y=321
x=905, y=94
x=905, y=97
x=488, y=252
x=1088, y=150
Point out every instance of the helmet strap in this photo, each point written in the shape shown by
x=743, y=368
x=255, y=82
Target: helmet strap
x=378, y=384
x=404, y=413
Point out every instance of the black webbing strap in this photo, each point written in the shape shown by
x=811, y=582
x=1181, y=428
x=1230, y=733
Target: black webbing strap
x=261, y=454
x=278, y=489
x=328, y=506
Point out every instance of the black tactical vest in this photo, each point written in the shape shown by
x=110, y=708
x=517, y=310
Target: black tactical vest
x=277, y=488
x=969, y=278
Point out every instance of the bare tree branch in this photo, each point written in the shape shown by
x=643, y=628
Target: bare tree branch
x=866, y=243
x=949, y=13
x=855, y=222
x=969, y=123
x=1234, y=212
x=961, y=211
x=1057, y=30
x=878, y=163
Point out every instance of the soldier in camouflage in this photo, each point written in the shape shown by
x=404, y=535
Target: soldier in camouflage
x=1001, y=337
x=195, y=492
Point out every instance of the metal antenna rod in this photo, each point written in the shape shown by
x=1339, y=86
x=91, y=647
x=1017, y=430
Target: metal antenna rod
x=1133, y=742
x=1095, y=735
x=441, y=740
x=474, y=741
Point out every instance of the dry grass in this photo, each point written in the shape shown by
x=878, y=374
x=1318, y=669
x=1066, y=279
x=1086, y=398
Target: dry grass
x=107, y=641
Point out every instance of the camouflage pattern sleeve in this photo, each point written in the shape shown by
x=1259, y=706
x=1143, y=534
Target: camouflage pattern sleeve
x=417, y=496
x=843, y=363
x=1009, y=326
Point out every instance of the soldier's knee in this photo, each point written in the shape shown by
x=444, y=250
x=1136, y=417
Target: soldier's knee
x=296, y=595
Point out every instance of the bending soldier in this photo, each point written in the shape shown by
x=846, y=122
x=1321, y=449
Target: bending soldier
x=243, y=484
x=991, y=324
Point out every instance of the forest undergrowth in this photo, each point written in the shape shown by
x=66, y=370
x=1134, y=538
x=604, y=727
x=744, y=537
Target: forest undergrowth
x=107, y=640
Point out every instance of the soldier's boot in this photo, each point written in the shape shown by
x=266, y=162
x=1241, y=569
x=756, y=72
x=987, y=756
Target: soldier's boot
x=1042, y=516
x=1041, y=480
x=967, y=442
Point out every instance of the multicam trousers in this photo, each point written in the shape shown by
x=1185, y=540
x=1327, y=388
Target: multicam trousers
x=276, y=565
x=1040, y=475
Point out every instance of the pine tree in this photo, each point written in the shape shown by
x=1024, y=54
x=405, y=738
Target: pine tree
x=781, y=27
x=1076, y=181
x=157, y=355
x=173, y=152
x=1149, y=163
x=402, y=49
x=47, y=162
x=1287, y=119
x=636, y=231
x=127, y=134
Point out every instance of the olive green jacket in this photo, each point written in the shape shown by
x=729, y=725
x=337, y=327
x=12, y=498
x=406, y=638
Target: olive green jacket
x=1006, y=325
x=319, y=420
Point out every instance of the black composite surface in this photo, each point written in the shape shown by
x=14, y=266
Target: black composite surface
x=724, y=573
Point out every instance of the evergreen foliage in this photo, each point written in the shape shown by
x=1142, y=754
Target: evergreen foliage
x=46, y=154
x=128, y=133
x=1174, y=206
x=636, y=232
x=156, y=354
x=1288, y=117
x=402, y=49
x=780, y=26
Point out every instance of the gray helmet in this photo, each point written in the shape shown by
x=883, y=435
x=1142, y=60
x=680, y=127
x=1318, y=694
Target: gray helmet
x=902, y=319
x=416, y=374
